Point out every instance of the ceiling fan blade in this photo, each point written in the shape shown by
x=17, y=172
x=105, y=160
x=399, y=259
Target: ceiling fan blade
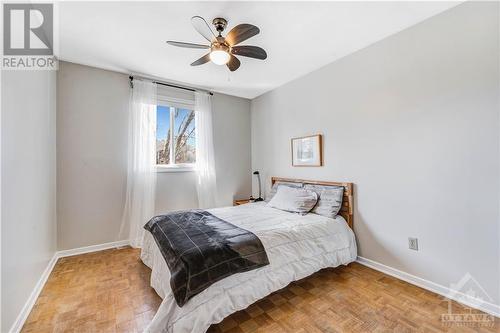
x=202, y=60
x=240, y=33
x=187, y=45
x=203, y=28
x=233, y=63
x=249, y=51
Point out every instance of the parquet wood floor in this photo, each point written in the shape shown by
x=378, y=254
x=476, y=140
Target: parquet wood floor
x=109, y=291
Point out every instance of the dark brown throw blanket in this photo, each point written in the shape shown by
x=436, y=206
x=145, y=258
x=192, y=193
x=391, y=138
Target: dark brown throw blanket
x=201, y=249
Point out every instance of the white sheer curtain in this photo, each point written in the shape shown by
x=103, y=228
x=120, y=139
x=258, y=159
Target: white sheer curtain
x=205, y=160
x=141, y=177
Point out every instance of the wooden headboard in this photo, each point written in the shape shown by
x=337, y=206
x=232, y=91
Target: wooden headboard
x=347, y=210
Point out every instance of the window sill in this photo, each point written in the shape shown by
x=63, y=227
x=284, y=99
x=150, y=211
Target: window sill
x=175, y=168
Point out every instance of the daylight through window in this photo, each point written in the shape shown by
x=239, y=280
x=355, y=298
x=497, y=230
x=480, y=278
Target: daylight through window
x=175, y=136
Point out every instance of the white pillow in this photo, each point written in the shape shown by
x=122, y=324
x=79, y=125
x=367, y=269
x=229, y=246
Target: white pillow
x=278, y=184
x=295, y=200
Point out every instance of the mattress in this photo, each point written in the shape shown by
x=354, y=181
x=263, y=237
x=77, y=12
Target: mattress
x=296, y=245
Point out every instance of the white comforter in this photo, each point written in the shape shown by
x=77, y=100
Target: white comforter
x=296, y=246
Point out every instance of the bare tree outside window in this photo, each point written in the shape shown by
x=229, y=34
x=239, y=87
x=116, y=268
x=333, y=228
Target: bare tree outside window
x=175, y=138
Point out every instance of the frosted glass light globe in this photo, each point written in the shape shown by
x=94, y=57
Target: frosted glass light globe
x=219, y=57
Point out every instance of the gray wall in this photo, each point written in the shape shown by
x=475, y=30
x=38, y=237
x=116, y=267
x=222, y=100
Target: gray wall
x=28, y=185
x=413, y=121
x=92, y=153
x=232, y=145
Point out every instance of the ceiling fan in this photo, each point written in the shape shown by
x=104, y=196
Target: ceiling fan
x=224, y=49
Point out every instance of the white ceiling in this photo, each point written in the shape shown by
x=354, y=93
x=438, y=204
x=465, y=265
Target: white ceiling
x=299, y=37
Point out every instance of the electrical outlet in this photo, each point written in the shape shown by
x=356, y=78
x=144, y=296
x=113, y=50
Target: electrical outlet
x=413, y=243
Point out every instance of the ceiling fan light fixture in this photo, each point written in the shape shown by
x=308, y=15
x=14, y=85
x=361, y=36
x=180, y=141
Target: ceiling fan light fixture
x=219, y=55
x=223, y=50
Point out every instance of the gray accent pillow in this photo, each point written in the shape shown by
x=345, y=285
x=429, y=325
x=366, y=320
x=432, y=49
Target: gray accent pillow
x=329, y=199
x=277, y=184
x=294, y=200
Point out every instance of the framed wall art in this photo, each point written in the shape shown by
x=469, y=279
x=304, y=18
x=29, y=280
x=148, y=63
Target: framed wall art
x=307, y=151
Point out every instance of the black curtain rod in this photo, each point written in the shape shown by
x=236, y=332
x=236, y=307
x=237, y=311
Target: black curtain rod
x=169, y=85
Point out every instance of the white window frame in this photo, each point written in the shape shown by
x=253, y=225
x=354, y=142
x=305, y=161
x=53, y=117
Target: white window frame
x=175, y=167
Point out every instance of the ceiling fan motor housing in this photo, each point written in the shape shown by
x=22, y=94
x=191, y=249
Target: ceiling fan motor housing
x=220, y=24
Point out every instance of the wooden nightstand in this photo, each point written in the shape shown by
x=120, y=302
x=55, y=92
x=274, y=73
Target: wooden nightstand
x=238, y=202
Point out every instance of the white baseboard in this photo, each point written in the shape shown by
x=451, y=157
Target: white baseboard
x=490, y=308
x=91, y=248
x=25, y=311
x=28, y=306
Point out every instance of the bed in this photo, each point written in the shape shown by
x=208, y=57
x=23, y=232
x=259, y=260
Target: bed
x=296, y=245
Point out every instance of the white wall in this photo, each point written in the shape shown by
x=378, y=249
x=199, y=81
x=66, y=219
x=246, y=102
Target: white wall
x=413, y=121
x=28, y=185
x=91, y=156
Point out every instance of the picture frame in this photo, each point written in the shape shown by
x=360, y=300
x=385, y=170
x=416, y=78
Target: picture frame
x=307, y=151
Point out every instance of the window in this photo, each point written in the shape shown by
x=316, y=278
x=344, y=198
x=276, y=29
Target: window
x=175, y=137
